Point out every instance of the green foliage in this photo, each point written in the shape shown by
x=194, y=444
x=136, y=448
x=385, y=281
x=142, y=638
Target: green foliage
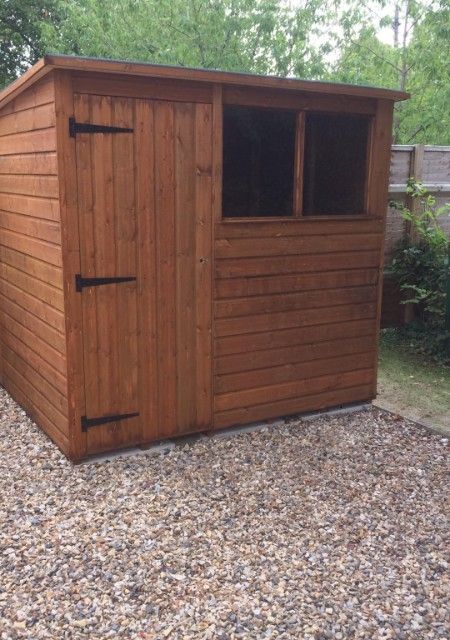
x=417, y=61
x=21, y=42
x=420, y=265
x=263, y=36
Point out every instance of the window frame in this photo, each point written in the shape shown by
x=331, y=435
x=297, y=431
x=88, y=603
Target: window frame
x=299, y=159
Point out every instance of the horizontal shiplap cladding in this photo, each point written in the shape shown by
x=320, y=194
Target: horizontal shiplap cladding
x=40, y=164
x=41, y=93
x=295, y=315
x=31, y=295
x=233, y=308
x=248, y=345
x=275, y=265
x=298, y=318
x=275, y=392
x=288, y=283
x=316, y=401
x=295, y=353
x=294, y=245
x=32, y=119
x=292, y=372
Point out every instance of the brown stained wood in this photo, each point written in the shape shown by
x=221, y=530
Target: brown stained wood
x=238, y=267
x=203, y=265
x=22, y=333
x=233, y=308
x=144, y=162
x=48, y=230
x=125, y=222
x=25, y=95
x=35, y=396
x=308, y=386
x=107, y=239
x=34, y=267
x=29, y=301
x=84, y=261
x=217, y=153
x=68, y=197
x=378, y=196
x=38, y=327
x=38, y=289
x=23, y=369
x=36, y=413
x=183, y=168
x=296, y=302
x=45, y=208
x=39, y=117
x=40, y=249
x=45, y=186
x=241, y=363
x=290, y=406
x=36, y=362
x=291, y=372
x=261, y=247
x=166, y=265
x=298, y=100
x=285, y=320
x=250, y=343
x=275, y=284
x=298, y=166
x=185, y=286
x=28, y=142
x=43, y=164
x=154, y=89
x=324, y=225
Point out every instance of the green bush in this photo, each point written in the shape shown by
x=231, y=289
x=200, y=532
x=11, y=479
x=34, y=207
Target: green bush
x=420, y=266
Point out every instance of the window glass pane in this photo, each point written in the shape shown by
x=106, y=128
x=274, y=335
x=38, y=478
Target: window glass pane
x=335, y=164
x=258, y=162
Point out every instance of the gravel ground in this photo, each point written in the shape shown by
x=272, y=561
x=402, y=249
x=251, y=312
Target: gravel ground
x=330, y=528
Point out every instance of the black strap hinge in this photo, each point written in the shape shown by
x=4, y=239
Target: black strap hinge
x=88, y=127
x=81, y=282
x=88, y=423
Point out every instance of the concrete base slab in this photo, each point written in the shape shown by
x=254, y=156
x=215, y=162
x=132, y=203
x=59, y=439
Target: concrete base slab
x=157, y=449
x=247, y=428
x=338, y=411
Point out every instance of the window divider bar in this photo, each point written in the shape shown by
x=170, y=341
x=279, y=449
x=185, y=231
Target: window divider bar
x=299, y=164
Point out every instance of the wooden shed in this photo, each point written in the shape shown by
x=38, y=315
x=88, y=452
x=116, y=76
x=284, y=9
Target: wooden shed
x=185, y=250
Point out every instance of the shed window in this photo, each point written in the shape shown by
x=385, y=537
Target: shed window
x=258, y=162
x=335, y=164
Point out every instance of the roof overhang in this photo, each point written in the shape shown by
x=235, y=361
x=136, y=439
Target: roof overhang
x=143, y=69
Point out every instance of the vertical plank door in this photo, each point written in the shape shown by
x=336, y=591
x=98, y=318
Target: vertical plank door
x=144, y=200
x=183, y=227
x=108, y=230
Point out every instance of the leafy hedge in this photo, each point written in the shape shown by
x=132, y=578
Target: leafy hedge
x=420, y=264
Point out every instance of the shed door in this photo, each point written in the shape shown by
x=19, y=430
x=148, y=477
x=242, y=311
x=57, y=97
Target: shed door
x=144, y=200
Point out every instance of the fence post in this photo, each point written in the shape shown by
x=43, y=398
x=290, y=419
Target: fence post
x=416, y=172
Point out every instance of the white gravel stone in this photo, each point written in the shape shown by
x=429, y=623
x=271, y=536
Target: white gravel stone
x=332, y=528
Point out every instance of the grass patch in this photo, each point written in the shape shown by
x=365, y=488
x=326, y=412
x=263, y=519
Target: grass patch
x=411, y=383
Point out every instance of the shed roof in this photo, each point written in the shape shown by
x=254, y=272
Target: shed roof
x=129, y=68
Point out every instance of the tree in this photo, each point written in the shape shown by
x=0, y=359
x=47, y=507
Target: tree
x=417, y=61
x=21, y=42
x=263, y=36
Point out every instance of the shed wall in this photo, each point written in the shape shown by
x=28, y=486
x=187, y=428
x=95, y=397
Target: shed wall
x=294, y=316
x=33, y=345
